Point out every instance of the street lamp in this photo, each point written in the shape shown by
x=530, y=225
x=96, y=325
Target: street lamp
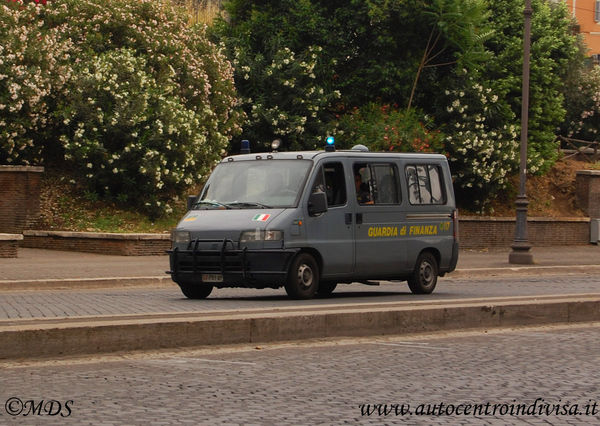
x=520, y=248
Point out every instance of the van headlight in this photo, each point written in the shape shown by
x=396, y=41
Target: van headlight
x=180, y=237
x=260, y=235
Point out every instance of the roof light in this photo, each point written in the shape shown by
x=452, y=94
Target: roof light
x=330, y=143
x=245, y=147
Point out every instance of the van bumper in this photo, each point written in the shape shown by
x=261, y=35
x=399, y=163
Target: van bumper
x=228, y=267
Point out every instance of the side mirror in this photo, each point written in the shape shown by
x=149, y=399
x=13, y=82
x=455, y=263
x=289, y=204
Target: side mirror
x=191, y=200
x=317, y=203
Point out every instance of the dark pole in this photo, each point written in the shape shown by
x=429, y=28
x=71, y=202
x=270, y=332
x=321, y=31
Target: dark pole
x=520, y=248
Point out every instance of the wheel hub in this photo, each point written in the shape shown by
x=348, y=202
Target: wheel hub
x=305, y=275
x=427, y=272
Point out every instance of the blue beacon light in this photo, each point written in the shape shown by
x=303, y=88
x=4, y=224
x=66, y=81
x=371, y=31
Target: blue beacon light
x=245, y=149
x=330, y=144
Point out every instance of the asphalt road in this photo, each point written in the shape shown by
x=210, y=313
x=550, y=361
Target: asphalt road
x=522, y=376
x=71, y=303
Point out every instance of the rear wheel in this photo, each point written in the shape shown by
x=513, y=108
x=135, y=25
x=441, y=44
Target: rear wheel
x=195, y=291
x=424, y=277
x=326, y=288
x=303, y=277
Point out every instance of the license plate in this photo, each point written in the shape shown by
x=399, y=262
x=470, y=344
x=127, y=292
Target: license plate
x=212, y=278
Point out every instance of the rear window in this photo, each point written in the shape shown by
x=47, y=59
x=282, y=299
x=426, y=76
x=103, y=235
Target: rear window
x=425, y=184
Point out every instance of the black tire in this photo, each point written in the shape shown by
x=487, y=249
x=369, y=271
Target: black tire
x=195, y=291
x=303, y=277
x=424, y=277
x=326, y=288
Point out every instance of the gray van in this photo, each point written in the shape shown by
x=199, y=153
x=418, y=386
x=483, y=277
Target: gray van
x=311, y=220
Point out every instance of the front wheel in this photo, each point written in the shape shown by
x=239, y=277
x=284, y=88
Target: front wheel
x=424, y=277
x=195, y=291
x=303, y=277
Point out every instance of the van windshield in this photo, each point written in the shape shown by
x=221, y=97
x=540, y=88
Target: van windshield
x=254, y=184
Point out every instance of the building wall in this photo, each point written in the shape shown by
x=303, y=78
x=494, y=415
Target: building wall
x=589, y=28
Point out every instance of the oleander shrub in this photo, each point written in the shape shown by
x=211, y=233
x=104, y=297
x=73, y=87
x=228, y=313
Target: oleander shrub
x=483, y=150
x=387, y=128
x=583, y=105
x=148, y=103
x=33, y=71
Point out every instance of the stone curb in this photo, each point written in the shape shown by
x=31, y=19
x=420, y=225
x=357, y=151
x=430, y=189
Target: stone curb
x=152, y=281
x=529, y=219
x=84, y=283
x=97, y=235
x=524, y=270
x=21, y=339
x=11, y=237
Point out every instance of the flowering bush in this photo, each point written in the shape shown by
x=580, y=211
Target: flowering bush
x=583, y=106
x=33, y=69
x=284, y=69
x=385, y=128
x=483, y=151
x=554, y=49
x=144, y=144
x=148, y=105
x=282, y=97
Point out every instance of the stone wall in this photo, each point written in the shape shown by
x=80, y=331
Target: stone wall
x=587, y=183
x=490, y=232
x=9, y=244
x=474, y=233
x=19, y=198
x=96, y=242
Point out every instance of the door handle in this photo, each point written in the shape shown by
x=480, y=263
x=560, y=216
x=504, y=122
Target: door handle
x=348, y=218
x=359, y=218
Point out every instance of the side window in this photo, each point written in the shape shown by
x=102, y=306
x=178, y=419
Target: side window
x=435, y=180
x=376, y=183
x=386, y=184
x=414, y=196
x=331, y=181
x=425, y=185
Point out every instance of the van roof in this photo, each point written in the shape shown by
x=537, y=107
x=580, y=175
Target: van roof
x=310, y=155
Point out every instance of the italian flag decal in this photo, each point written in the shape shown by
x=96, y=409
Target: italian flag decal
x=261, y=217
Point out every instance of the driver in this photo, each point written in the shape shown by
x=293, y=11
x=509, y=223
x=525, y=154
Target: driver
x=363, y=195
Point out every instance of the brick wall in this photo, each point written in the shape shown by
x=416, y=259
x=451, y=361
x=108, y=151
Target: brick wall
x=19, y=197
x=9, y=244
x=482, y=232
x=475, y=233
x=104, y=243
x=587, y=191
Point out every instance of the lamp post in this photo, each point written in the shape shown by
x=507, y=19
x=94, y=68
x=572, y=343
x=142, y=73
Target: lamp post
x=520, y=248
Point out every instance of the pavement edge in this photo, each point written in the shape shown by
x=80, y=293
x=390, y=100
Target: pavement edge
x=72, y=337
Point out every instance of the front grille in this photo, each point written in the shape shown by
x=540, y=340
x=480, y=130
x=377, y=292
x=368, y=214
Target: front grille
x=231, y=262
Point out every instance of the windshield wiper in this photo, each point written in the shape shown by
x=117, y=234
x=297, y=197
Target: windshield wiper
x=210, y=203
x=248, y=204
